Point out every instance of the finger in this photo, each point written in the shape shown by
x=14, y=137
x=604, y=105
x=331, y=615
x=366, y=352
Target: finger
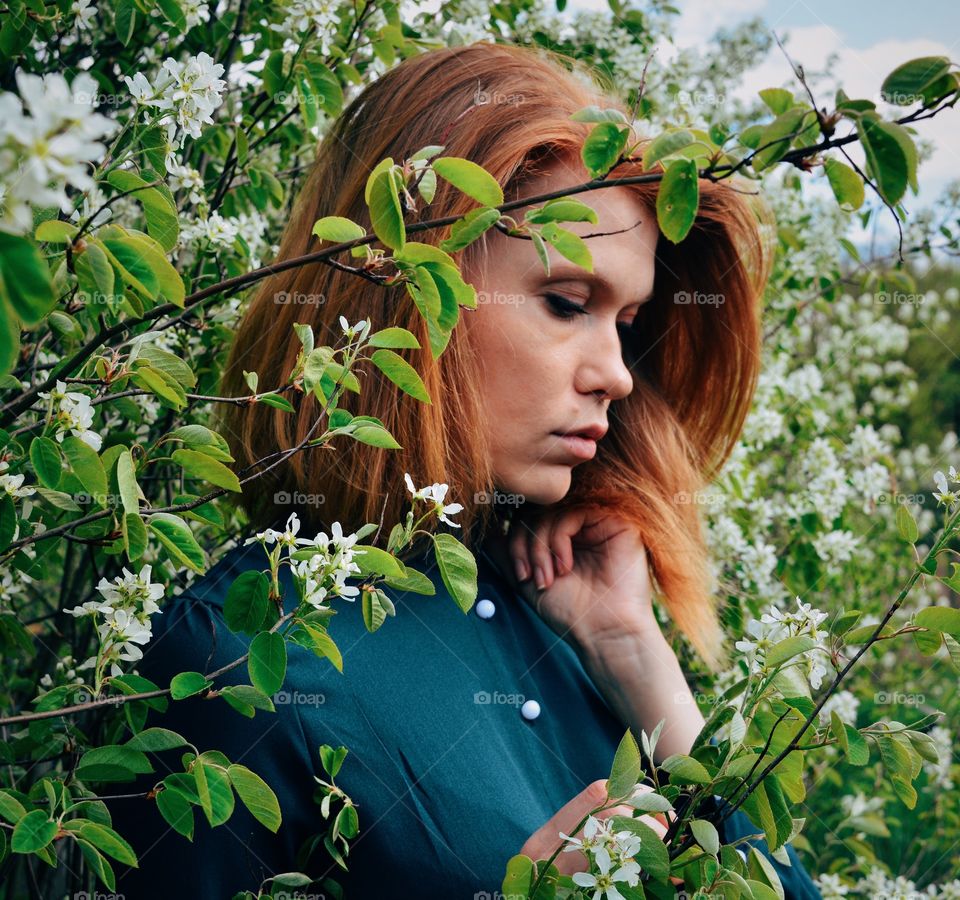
x=540, y=553
x=564, y=530
x=546, y=839
x=518, y=549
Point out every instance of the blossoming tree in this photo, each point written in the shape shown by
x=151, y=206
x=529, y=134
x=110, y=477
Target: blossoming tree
x=140, y=197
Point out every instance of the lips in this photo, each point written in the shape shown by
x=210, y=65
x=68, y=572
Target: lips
x=590, y=432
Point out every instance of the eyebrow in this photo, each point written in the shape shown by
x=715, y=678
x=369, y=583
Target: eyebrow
x=562, y=273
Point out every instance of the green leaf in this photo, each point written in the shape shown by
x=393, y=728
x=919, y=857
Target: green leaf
x=846, y=184
x=568, y=244
x=33, y=832
x=95, y=270
x=562, y=209
x=678, y=199
x=386, y=213
x=11, y=808
x=906, y=525
x=939, y=618
x=375, y=436
x=788, y=648
x=337, y=229
x=401, y=373
x=158, y=207
x=706, y=835
x=375, y=606
x=887, y=158
x=256, y=795
x=173, y=13
x=127, y=482
x=268, y=661
x=144, y=268
x=178, y=540
x=177, y=811
x=124, y=20
x=603, y=148
x=458, y=569
x=25, y=282
x=319, y=642
x=155, y=739
x=626, y=768
x=187, y=684
x=273, y=79
x=686, y=768
x=473, y=180
x=467, y=229
x=88, y=468
x=395, y=337
x=905, y=84
x=106, y=839
x=199, y=465
x=247, y=602
x=113, y=762
x=776, y=138
x=9, y=339
x=762, y=873
x=373, y=560
x=664, y=145
x=46, y=460
x=778, y=100
x=53, y=231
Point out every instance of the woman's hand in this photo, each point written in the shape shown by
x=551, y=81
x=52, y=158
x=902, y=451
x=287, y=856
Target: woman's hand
x=583, y=571
x=545, y=840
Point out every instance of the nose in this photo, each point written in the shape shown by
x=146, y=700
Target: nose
x=602, y=370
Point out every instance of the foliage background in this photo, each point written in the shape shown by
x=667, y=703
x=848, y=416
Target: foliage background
x=856, y=410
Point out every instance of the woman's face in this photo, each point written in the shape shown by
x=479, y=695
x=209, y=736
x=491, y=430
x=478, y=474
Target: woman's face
x=553, y=364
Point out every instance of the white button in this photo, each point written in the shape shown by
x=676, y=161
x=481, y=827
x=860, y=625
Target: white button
x=530, y=709
x=485, y=608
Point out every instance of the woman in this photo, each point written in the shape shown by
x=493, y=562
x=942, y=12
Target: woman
x=581, y=409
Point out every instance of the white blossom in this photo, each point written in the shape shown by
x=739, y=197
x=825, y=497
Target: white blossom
x=186, y=93
x=50, y=141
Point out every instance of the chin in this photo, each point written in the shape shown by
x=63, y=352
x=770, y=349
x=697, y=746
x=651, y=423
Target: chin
x=548, y=485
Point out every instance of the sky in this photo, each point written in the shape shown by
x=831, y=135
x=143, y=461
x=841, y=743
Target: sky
x=869, y=38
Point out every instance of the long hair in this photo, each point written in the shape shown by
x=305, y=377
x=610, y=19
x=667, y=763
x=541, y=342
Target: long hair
x=695, y=365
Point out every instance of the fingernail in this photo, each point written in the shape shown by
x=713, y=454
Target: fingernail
x=539, y=579
x=522, y=573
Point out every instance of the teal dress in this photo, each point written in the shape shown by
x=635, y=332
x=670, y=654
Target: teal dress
x=448, y=775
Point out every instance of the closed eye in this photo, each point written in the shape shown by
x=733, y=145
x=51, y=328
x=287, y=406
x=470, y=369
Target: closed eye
x=564, y=308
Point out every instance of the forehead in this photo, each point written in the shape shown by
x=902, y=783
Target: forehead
x=625, y=235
